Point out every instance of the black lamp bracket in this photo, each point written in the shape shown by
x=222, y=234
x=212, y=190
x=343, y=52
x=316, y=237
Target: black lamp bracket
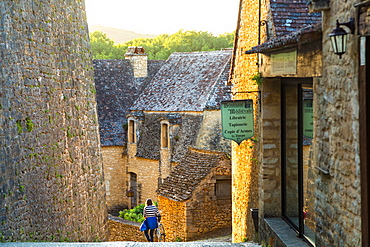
x=350, y=25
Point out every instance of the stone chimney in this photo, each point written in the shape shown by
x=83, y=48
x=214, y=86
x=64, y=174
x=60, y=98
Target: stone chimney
x=139, y=60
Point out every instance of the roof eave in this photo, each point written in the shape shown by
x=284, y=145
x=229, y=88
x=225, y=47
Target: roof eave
x=303, y=36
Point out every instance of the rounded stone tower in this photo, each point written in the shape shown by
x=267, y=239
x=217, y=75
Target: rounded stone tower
x=51, y=177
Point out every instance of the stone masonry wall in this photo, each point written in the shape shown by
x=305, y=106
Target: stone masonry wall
x=51, y=178
x=270, y=185
x=210, y=133
x=147, y=176
x=338, y=199
x=115, y=178
x=173, y=218
x=244, y=156
x=124, y=230
x=206, y=212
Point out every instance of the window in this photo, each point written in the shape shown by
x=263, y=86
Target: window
x=223, y=188
x=164, y=135
x=131, y=131
x=297, y=175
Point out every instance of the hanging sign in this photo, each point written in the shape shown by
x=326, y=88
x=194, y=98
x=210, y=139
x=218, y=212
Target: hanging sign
x=237, y=120
x=308, y=118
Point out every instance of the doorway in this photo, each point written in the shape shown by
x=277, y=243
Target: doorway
x=133, y=188
x=297, y=176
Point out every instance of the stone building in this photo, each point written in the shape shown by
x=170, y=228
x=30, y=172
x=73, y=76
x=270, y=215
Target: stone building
x=134, y=108
x=179, y=108
x=51, y=177
x=312, y=160
x=118, y=84
x=196, y=197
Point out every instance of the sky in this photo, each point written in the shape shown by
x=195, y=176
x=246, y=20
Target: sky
x=164, y=16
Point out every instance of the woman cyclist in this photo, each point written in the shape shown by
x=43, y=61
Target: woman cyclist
x=150, y=214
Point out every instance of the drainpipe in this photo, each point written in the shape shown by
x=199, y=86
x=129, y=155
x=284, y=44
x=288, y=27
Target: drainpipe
x=259, y=22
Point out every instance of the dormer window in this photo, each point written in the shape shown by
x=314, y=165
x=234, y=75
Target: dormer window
x=164, y=135
x=131, y=133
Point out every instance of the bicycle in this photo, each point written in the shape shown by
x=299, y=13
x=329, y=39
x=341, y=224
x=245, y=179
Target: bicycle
x=160, y=232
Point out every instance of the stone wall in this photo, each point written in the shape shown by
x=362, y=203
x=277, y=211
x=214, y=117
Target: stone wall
x=244, y=156
x=205, y=211
x=338, y=199
x=270, y=155
x=165, y=162
x=173, y=218
x=115, y=165
x=124, y=230
x=147, y=177
x=309, y=61
x=51, y=182
x=210, y=137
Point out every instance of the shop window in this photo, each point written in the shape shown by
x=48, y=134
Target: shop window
x=297, y=170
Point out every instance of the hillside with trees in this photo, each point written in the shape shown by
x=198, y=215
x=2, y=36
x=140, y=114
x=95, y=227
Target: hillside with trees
x=119, y=35
x=161, y=46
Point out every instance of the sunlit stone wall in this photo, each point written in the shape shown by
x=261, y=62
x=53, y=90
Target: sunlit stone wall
x=244, y=156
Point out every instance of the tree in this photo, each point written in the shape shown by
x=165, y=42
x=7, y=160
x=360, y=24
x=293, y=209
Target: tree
x=103, y=47
x=161, y=47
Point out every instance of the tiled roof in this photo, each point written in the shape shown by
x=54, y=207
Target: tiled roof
x=185, y=82
x=291, y=15
x=221, y=91
x=116, y=90
x=308, y=34
x=186, y=176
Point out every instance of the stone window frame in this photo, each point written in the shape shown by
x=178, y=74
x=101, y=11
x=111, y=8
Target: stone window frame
x=131, y=130
x=165, y=134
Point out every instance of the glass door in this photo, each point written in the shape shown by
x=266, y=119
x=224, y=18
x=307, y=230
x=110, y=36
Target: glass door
x=297, y=170
x=290, y=154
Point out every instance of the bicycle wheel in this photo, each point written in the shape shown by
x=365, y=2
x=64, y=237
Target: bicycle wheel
x=161, y=233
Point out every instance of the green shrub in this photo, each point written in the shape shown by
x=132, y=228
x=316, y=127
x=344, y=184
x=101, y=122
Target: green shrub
x=135, y=214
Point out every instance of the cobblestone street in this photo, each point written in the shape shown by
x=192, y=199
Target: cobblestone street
x=218, y=239
x=130, y=244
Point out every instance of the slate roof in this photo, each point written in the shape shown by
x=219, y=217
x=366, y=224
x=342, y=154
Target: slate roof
x=187, y=175
x=293, y=25
x=116, y=90
x=186, y=82
x=305, y=35
x=291, y=15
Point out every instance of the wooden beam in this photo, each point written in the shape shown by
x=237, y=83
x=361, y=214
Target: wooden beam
x=364, y=96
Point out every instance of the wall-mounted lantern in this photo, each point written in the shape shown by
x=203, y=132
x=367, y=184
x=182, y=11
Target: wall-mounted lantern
x=338, y=37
